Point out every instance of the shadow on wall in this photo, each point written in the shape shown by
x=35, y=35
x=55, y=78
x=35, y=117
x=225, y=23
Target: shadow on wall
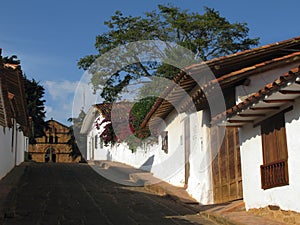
x=146, y=166
x=108, y=156
x=252, y=132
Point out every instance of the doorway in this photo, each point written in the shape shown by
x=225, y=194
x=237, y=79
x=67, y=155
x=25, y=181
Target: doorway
x=186, y=151
x=50, y=155
x=226, y=167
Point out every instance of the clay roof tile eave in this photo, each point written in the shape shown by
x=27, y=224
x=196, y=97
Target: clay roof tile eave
x=267, y=90
x=255, y=52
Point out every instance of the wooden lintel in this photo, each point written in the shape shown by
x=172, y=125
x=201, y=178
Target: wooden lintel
x=289, y=92
x=266, y=108
x=278, y=100
x=252, y=115
x=240, y=121
x=229, y=126
x=285, y=110
x=234, y=126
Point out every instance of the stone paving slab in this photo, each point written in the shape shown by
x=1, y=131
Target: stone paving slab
x=52, y=194
x=62, y=194
x=151, y=183
x=233, y=213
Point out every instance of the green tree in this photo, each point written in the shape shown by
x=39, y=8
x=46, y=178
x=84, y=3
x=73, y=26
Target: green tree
x=34, y=95
x=207, y=35
x=12, y=59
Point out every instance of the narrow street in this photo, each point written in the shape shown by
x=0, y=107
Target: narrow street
x=74, y=194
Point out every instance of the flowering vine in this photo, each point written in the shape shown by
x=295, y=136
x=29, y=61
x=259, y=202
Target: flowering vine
x=129, y=129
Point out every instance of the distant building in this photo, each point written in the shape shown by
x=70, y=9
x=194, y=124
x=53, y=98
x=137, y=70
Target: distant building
x=53, y=146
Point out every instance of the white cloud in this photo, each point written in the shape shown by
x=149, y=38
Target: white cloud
x=60, y=90
x=48, y=109
x=67, y=98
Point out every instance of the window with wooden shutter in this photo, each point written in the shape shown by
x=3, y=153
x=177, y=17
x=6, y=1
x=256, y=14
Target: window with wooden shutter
x=96, y=141
x=274, y=171
x=51, y=139
x=164, y=136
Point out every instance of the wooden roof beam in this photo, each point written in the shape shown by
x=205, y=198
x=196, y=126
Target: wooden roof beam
x=290, y=92
x=252, y=115
x=266, y=108
x=240, y=121
x=278, y=100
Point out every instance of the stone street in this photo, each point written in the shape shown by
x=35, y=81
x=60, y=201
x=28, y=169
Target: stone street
x=74, y=194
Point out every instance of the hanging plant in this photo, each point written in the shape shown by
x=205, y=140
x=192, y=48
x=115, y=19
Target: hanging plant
x=129, y=129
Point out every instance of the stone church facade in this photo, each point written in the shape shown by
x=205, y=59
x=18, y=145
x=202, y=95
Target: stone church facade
x=53, y=147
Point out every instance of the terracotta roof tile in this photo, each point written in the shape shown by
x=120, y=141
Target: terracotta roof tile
x=252, y=51
x=267, y=90
x=12, y=84
x=120, y=109
x=4, y=105
x=293, y=57
x=250, y=62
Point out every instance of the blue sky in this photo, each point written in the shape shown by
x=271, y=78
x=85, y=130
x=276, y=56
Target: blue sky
x=49, y=37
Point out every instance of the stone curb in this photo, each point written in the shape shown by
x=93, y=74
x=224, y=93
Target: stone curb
x=220, y=218
x=151, y=183
x=170, y=192
x=232, y=216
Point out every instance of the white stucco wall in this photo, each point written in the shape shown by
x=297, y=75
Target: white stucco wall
x=11, y=156
x=170, y=166
x=94, y=152
x=200, y=181
x=167, y=166
x=251, y=155
x=260, y=80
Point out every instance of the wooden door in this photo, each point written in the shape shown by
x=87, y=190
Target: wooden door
x=274, y=171
x=187, y=150
x=226, y=167
x=274, y=139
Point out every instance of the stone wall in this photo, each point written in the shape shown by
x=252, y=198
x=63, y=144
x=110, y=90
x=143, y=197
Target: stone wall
x=53, y=145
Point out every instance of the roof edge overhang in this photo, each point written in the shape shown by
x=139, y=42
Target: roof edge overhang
x=89, y=119
x=275, y=97
x=197, y=95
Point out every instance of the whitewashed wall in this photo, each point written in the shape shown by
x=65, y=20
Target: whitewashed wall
x=200, y=181
x=260, y=80
x=286, y=197
x=11, y=156
x=170, y=166
x=252, y=155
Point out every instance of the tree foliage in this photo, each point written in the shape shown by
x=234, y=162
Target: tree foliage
x=11, y=60
x=117, y=127
x=207, y=35
x=34, y=95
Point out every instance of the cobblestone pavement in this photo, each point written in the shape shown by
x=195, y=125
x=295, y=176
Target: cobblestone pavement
x=73, y=194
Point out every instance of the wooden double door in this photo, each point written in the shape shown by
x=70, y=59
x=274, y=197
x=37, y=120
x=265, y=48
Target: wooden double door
x=226, y=165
